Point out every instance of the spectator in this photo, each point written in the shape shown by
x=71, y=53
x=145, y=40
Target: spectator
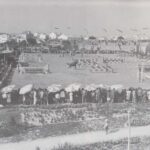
x=4, y=98
x=71, y=97
x=50, y=98
x=57, y=98
x=8, y=98
x=41, y=94
x=128, y=95
x=62, y=96
x=45, y=97
x=34, y=97
x=83, y=92
x=106, y=127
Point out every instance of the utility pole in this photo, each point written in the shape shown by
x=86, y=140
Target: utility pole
x=129, y=130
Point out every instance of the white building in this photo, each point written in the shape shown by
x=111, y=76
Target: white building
x=63, y=37
x=21, y=37
x=36, y=34
x=4, y=38
x=52, y=36
x=42, y=36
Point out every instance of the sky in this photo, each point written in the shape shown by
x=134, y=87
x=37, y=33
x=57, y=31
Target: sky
x=83, y=17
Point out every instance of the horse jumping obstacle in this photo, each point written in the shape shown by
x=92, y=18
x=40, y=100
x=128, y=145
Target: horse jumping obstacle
x=35, y=70
x=113, y=60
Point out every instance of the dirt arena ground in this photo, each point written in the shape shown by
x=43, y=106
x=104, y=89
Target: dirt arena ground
x=125, y=73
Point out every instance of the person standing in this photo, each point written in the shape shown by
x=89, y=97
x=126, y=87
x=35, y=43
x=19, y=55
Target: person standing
x=62, y=96
x=50, y=98
x=4, y=98
x=112, y=95
x=8, y=98
x=71, y=97
x=134, y=100
x=45, y=97
x=140, y=73
x=106, y=127
x=57, y=98
x=41, y=95
x=83, y=95
x=108, y=95
x=24, y=99
x=139, y=94
x=144, y=96
x=18, y=67
x=97, y=95
x=148, y=95
x=93, y=97
x=34, y=97
x=128, y=95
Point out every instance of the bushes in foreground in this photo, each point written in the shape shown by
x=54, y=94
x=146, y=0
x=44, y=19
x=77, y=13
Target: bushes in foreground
x=136, y=144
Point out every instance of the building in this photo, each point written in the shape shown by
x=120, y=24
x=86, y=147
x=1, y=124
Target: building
x=21, y=37
x=42, y=36
x=63, y=37
x=4, y=38
x=52, y=36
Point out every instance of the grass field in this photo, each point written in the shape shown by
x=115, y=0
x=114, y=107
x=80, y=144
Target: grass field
x=126, y=73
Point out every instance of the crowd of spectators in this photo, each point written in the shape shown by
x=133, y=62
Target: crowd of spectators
x=4, y=70
x=99, y=95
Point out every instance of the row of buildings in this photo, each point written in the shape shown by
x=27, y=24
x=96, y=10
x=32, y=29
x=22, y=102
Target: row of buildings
x=52, y=42
x=4, y=37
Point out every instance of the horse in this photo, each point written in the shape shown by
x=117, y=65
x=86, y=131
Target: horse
x=73, y=64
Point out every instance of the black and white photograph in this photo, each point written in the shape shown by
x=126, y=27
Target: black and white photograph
x=74, y=75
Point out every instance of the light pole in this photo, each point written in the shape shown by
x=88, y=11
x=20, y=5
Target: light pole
x=129, y=130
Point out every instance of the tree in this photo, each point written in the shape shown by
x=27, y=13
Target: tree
x=67, y=45
x=30, y=39
x=12, y=44
x=23, y=43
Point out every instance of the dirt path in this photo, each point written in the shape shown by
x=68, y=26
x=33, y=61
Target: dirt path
x=77, y=139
